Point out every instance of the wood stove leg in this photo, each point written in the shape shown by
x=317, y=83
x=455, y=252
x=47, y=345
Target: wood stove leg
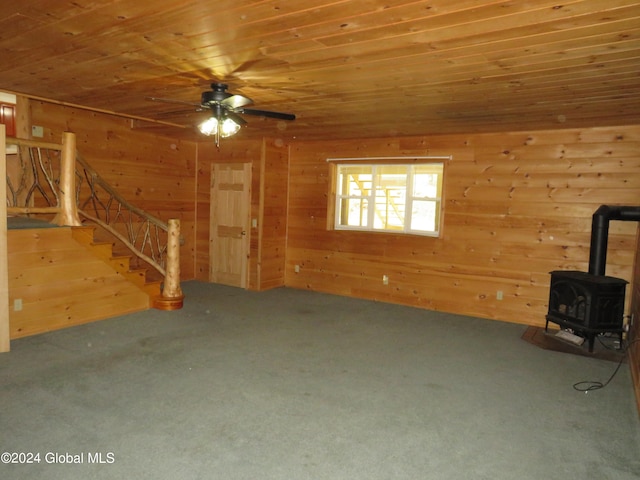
x=591, y=337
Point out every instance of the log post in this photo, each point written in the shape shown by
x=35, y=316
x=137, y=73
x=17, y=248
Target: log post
x=68, y=214
x=172, y=297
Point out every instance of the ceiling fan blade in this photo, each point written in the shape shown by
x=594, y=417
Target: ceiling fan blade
x=180, y=113
x=236, y=101
x=169, y=100
x=265, y=113
x=235, y=117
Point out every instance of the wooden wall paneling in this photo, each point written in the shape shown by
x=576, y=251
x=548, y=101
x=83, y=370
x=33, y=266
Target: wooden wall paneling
x=157, y=174
x=272, y=222
x=256, y=221
x=256, y=212
x=517, y=205
x=202, y=210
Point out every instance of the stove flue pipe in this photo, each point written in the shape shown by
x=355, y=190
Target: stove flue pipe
x=600, y=233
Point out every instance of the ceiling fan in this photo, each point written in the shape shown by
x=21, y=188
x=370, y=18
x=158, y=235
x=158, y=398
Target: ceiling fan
x=226, y=110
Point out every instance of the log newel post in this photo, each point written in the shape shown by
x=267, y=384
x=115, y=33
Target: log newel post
x=172, y=297
x=68, y=214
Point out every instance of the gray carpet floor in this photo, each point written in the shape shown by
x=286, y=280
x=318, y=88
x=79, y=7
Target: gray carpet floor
x=291, y=384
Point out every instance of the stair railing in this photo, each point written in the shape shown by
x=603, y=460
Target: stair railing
x=33, y=179
x=101, y=204
x=47, y=178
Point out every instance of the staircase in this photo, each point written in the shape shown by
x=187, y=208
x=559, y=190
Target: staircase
x=120, y=263
x=68, y=275
x=57, y=182
x=59, y=277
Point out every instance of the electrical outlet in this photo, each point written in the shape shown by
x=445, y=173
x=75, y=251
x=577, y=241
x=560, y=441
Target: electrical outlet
x=17, y=304
x=296, y=268
x=385, y=279
x=499, y=295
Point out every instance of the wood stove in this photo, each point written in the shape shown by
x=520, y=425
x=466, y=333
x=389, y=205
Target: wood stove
x=592, y=303
x=587, y=304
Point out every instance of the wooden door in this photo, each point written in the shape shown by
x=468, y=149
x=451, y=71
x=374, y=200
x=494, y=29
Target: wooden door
x=230, y=221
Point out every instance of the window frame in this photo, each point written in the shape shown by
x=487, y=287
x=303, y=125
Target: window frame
x=336, y=197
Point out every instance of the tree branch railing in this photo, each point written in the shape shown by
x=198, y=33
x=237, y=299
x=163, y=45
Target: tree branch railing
x=46, y=178
x=103, y=205
x=33, y=178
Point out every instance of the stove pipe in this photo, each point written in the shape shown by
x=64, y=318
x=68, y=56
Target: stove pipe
x=600, y=233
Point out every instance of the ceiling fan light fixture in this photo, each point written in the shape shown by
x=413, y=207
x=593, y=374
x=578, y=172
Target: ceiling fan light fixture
x=228, y=128
x=209, y=126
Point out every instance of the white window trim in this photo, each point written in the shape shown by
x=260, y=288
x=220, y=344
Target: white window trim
x=435, y=158
x=409, y=200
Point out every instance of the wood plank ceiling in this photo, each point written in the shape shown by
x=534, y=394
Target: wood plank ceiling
x=346, y=68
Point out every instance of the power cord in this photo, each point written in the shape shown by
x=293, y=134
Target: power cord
x=588, y=386
x=609, y=338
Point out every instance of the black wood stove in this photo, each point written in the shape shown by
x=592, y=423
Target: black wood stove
x=591, y=303
x=588, y=304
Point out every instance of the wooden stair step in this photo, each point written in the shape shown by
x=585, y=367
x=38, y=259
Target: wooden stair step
x=83, y=234
x=102, y=250
x=137, y=276
x=153, y=288
x=120, y=263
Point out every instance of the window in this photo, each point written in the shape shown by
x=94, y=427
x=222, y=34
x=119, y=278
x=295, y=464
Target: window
x=397, y=197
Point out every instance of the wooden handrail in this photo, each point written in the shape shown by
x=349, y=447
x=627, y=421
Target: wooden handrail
x=126, y=242
x=116, y=195
x=33, y=143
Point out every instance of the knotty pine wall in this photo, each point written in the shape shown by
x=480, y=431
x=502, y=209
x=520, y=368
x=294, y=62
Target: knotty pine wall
x=155, y=173
x=272, y=215
x=516, y=206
